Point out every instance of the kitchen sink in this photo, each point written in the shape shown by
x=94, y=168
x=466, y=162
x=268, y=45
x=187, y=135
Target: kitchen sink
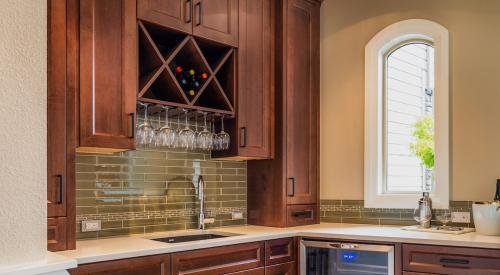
x=193, y=237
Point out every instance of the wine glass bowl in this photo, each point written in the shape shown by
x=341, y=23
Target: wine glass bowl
x=166, y=136
x=444, y=217
x=224, y=137
x=204, y=139
x=145, y=134
x=186, y=135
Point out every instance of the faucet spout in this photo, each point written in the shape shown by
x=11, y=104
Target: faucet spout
x=201, y=196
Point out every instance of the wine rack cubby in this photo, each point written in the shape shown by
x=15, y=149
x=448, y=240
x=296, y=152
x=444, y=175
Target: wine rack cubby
x=179, y=70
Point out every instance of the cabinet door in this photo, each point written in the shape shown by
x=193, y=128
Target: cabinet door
x=56, y=110
x=301, y=85
x=289, y=268
x=56, y=234
x=108, y=74
x=257, y=271
x=216, y=20
x=174, y=14
x=151, y=265
x=256, y=79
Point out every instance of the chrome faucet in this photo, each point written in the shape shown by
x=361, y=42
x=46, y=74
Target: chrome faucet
x=201, y=197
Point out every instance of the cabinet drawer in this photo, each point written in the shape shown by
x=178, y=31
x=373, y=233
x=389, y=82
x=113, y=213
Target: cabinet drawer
x=280, y=251
x=302, y=214
x=56, y=234
x=289, y=268
x=150, y=265
x=256, y=271
x=450, y=260
x=219, y=260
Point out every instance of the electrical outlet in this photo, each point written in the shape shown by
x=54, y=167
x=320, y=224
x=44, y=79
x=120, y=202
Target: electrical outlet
x=89, y=226
x=236, y=215
x=460, y=217
x=209, y=220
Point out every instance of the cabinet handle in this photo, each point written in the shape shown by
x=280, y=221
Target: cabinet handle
x=303, y=214
x=60, y=198
x=454, y=261
x=189, y=11
x=198, y=12
x=243, y=136
x=132, y=125
x=291, y=187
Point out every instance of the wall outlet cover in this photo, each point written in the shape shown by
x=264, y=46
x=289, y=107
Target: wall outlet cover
x=460, y=217
x=91, y=225
x=209, y=220
x=237, y=215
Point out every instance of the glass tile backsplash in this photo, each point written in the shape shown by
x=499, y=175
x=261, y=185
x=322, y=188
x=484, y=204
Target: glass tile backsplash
x=151, y=190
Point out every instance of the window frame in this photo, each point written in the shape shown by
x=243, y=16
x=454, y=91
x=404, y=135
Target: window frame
x=376, y=52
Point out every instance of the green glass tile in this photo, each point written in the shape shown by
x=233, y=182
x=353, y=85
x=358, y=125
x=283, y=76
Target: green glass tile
x=234, y=164
x=381, y=215
x=144, y=185
x=98, y=201
x=237, y=191
x=144, y=200
x=114, y=160
x=80, y=210
x=147, y=169
x=233, y=178
x=180, y=171
x=353, y=203
x=86, y=193
x=120, y=231
x=183, y=219
x=146, y=154
x=164, y=227
x=143, y=222
x=242, y=172
x=85, y=159
x=164, y=207
x=233, y=222
x=119, y=192
x=234, y=204
x=184, y=155
x=86, y=235
x=178, y=199
x=207, y=164
x=85, y=176
x=120, y=209
x=111, y=224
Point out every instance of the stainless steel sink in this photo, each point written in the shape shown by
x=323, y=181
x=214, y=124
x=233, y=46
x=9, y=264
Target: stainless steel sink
x=193, y=236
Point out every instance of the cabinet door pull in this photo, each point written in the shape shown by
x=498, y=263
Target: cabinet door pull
x=243, y=136
x=454, y=261
x=132, y=125
x=303, y=214
x=198, y=13
x=60, y=198
x=291, y=187
x=189, y=11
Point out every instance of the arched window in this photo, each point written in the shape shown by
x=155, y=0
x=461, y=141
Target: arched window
x=406, y=115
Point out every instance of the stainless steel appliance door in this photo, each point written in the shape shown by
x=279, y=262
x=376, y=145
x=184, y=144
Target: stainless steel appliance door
x=335, y=258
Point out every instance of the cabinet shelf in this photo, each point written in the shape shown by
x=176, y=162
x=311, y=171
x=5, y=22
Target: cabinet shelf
x=175, y=69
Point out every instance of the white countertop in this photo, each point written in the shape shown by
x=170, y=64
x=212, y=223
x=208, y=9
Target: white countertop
x=90, y=251
x=53, y=262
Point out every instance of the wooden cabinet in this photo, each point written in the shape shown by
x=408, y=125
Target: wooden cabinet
x=289, y=268
x=281, y=251
x=253, y=128
x=108, y=74
x=219, y=260
x=216, y=20
x=284, y=191
x=276, y=257
x=151, y=265
x=450, y=260
x=175, y=14
x=60, y=133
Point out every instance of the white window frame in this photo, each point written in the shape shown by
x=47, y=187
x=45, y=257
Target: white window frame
x=375, y=54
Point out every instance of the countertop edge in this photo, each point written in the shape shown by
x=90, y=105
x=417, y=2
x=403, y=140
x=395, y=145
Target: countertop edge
x=53, y=262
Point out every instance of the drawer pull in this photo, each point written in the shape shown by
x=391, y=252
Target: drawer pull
x=303, y=214
x=454, y=261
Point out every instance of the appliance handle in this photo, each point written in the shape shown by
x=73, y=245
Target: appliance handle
x=349, y=246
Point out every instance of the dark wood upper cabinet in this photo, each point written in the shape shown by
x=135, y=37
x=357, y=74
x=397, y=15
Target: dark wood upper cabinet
x=61, y=130
x=301, y=100
x=175, y=14
x=253, y=129
x=216, y=20
x=108, y=74
x=285, y=191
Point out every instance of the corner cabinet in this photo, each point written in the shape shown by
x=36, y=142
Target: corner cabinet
x=107, y=75
x=253, y=129
x=285, y=191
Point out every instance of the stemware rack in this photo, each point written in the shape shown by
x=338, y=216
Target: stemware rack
x=162, y=51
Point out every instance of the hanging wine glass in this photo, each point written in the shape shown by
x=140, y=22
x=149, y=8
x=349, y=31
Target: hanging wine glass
x=145, y=131
x=186, y=135
x=205, y=136
x=224, y=137
x=166, y=135
x=215, y=138
x=196, y=132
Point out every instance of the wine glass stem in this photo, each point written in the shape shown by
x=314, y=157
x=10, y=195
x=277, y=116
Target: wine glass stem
x=186, y=118
x=222, y=123
x=166, y=116
x=205, y=121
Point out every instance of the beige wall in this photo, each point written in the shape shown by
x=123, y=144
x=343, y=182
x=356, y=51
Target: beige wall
x=347, y=26
x=23, y=108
